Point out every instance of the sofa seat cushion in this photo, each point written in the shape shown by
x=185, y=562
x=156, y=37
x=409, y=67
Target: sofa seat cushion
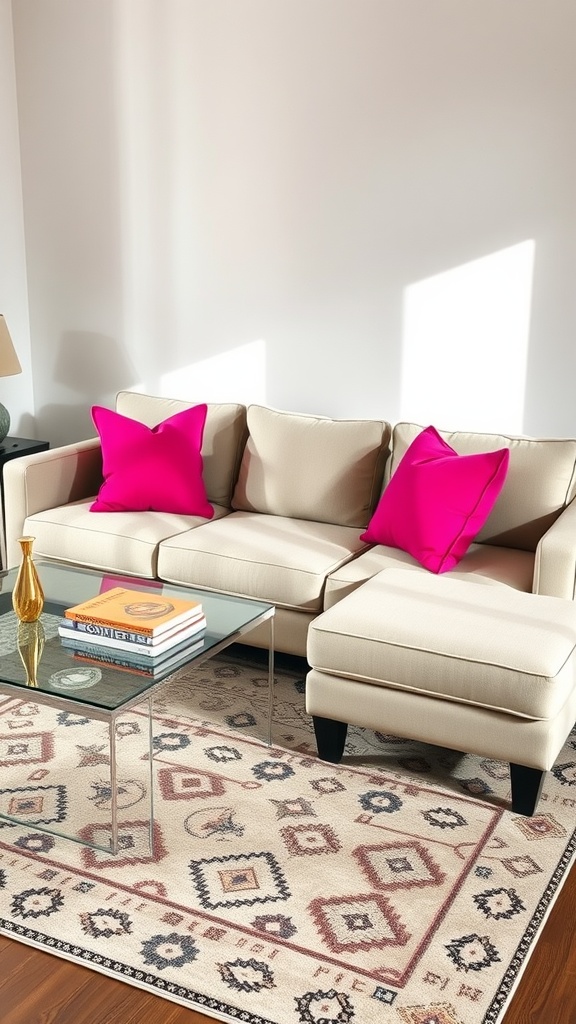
x=493, y=647
x=272, y=558
x=482, y=563
x=125, y=542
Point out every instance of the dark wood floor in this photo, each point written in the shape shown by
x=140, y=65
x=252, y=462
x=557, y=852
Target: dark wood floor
x=37, y=988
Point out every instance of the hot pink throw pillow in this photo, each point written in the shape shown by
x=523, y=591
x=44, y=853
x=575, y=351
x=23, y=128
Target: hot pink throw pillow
x=157, y=469
x=437, y=501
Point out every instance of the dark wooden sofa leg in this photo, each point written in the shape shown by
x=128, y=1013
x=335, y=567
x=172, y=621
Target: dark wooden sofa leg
x=330, y=738
x=526, y=788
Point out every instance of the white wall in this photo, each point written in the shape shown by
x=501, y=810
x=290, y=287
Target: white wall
x=15, y=392
x=255, y=199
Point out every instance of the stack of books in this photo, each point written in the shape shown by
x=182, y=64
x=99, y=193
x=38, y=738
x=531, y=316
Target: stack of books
x=134, y=630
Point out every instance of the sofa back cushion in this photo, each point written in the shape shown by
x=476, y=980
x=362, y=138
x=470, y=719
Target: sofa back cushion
x=223, y=442
x=540, y=481
x=312, y=467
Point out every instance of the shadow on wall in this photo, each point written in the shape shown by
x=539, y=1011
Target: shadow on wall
x=94, y=367
x=25, y=426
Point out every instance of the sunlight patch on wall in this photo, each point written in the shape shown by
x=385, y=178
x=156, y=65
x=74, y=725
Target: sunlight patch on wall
x=238, y=375
x=465, y=345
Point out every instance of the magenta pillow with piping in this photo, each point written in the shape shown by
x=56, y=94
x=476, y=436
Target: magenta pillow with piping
x=437, y=501
x=155, y=469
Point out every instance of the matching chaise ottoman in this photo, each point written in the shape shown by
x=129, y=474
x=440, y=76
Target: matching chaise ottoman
x=475, y=666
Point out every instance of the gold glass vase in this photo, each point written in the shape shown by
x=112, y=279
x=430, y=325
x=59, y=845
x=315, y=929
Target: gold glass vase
x=30, y=647
x=27, y=596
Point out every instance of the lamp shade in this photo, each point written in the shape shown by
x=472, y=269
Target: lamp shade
x=9, y=362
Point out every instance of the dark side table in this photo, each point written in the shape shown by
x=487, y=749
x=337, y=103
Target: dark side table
x=14, y=448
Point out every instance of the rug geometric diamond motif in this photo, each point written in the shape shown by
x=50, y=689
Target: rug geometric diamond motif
x=43, y=805
x=26, y=748
x=313, y=839
x=238, y=880
x=359, y=922
x=182, y=784
x=436, y=1013
x=133, y=845
x=398, y=865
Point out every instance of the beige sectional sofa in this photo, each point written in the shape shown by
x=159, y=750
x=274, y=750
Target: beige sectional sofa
x=292, y=495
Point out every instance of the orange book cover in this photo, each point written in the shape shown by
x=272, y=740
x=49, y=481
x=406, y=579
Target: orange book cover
x=141, y=611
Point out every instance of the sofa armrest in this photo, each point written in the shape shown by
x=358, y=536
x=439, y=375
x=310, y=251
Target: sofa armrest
x=555, y=562
x=35, y=483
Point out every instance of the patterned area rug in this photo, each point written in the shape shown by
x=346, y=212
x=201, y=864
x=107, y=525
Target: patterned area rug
x=394, y=887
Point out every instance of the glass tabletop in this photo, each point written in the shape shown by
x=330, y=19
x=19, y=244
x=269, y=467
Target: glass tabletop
x=64, y=673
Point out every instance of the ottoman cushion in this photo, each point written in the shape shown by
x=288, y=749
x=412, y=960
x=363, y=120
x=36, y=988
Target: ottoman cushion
x=481, y=644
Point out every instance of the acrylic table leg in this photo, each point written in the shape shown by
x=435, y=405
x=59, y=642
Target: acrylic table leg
x=270, y=681
x=113, y=784
x=151, y=775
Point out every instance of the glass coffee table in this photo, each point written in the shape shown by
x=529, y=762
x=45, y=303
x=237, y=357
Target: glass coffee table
x=101, y=693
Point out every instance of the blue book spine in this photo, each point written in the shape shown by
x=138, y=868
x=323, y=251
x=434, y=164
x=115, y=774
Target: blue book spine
x=109, y=631
x=179, y=654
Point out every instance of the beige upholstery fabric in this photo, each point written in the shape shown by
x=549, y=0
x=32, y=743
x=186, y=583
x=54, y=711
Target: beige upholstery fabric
x=555, y=567
x=224, y=436
x=124, y=542
x=532, y=742
x=310, y=467
x=315, y=482
x=482, y=563
x=272, y=558
x=541, y=480
x=290, y=632
x=489, y=646
x=47, y=480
